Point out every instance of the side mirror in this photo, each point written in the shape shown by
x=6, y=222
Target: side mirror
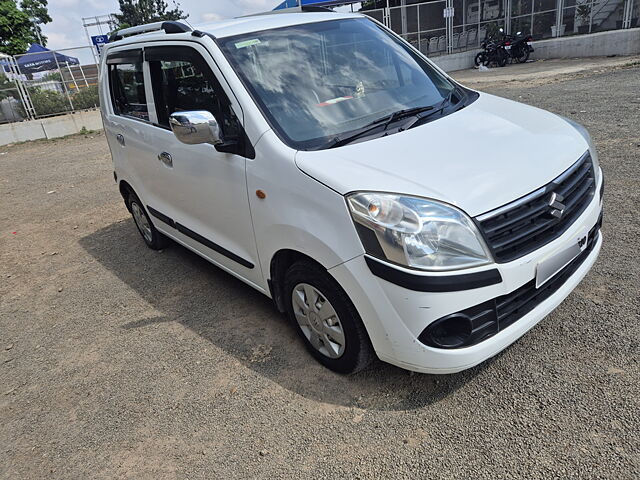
x=195, y=127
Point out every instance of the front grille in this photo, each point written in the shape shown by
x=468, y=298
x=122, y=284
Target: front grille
x=527, y=224
x=493, y=316
x=521, y=301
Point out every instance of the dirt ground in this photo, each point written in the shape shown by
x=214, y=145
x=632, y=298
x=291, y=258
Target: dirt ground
x=541, y=72
x=120, y=362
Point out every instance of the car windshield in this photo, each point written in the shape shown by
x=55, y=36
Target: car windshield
x=321, y=81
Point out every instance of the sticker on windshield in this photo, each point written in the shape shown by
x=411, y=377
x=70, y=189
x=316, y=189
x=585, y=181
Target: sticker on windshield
x=333, y=101
x=247, y=43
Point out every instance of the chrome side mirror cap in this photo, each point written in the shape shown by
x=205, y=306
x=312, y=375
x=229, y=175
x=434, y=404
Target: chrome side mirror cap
x=195, y=127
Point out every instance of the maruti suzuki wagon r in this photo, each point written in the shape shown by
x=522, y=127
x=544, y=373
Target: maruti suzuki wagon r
x=388, y=210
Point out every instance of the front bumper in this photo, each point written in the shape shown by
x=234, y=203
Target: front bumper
x=395, y=316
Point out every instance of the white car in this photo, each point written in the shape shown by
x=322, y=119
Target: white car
x=386, y=209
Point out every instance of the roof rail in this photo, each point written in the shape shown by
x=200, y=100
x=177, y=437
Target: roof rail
x=311, y=8
x=167, y=26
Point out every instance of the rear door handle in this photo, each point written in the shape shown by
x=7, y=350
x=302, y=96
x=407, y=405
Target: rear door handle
x=166, y=158
x=120, y=139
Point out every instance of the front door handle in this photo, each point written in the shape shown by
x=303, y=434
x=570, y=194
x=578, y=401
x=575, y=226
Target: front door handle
x=120, y=139
x=166, y=158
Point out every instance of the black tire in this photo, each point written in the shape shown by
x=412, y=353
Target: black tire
x=358, y=352
x=152, y=237
x=481, y=59
x=522, y=55
x=502, y=58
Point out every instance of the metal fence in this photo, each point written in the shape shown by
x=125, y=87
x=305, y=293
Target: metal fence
x=448, y=26
x=47, y=83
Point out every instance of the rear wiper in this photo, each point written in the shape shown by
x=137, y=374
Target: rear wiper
x=387, y=120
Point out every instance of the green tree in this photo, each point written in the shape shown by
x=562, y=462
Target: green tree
x=52, y=76
x=139, y=12
x=7, y=88
x=16, y=29
x=20, y=27
x=86, y=97
x=39, y=15
x=368, y=5
x=375, y=4
x=47, y=102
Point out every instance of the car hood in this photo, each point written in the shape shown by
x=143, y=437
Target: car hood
x=481, y=157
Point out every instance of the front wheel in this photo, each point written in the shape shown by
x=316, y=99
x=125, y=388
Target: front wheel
x=325, y=319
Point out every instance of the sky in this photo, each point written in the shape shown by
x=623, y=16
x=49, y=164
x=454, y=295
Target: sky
x=65, y=31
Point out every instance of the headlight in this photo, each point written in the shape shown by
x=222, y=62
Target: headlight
x=416, y=232
x=585, y=134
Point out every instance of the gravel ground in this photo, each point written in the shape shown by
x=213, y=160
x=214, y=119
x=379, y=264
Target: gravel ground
x=120, y=362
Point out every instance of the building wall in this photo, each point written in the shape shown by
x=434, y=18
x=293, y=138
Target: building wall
x=614, y=42
x=52, y=127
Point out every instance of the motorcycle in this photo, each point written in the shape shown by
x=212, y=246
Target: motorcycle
x=493, y=52
x=518, y=47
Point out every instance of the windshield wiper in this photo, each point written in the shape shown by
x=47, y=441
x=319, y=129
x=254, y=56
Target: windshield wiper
x=404, y=113
x=421, y=119
x=387, y=120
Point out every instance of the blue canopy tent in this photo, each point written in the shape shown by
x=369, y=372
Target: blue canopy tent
x=41, y=59
x=314, y=3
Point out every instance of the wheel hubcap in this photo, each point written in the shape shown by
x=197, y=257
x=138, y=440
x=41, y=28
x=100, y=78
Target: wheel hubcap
x=318, y=320
x=142, y=222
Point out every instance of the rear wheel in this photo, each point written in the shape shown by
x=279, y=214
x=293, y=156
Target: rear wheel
x=522, y=55
x=502, y=58
x=481, y=59
x=325, y=319
x=152, y=237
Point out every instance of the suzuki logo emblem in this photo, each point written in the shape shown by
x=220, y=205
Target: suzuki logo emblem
x=556, y=207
